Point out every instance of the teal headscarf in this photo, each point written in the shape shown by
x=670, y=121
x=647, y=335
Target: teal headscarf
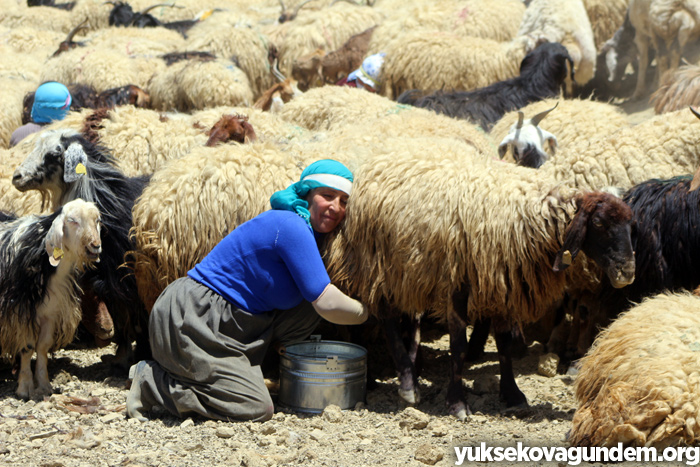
x=323, y=173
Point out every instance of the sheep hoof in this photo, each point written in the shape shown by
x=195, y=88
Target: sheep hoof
x=43, y=390
x=411, y=396
x=24, y=392
x=461, y=411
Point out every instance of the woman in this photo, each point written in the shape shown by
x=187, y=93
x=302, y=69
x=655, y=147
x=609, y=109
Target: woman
x=51, y=103
x=264, y=282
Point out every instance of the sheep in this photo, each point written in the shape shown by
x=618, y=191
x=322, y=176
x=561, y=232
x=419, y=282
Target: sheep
x=290, y=15
x=543, y=73
x=606, y=17
x=496, y=20
x=444, y=257
x=564, y=21
x=575, y=121
x=231, y=127
x=667, y=26
x=274, y=98
x=42, y=258
x=432, y=60
x=11, y=111
x=39, y=44
x=194, y=84
x=224, y=36
x=637, y=384
x=665, y=242
x=64, y=166
x=678, y=90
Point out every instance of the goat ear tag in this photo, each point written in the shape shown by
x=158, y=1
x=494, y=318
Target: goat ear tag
x=566, y=258
x=80, y=169
x=55, y=258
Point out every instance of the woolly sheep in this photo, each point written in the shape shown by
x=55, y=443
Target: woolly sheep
x=493, y=262
x=664, y=146
x=225, y=37
x=678, y=90
x=606, y=17
x=566, y=22
x=40, y=17
x=496, y=20
x=638, y=383
x=573, y=122
x=433, y=60
x=42, y=257
x=14, y=90
x=33, y=41
x=194, y=85
x=666, y=25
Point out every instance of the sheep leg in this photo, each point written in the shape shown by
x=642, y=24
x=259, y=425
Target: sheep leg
x=43, y=346
x=477, y=340
x=408, y=381
x=642, y=43
x=414, y=342
x=25, y=380
x=456, y=400
x=509, y=391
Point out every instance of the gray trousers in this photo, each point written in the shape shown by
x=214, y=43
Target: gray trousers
x=208, y=353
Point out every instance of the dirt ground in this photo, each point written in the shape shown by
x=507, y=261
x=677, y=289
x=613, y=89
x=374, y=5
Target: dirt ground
x=84, y=424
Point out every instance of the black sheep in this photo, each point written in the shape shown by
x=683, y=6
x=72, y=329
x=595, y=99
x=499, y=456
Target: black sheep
x=543, y=73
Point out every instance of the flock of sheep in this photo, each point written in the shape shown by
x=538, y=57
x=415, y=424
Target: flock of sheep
x=586, y=208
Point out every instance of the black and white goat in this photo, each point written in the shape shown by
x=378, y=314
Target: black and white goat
x=543, y=74
x=41, y=258
x=64, y=166
x=528, y=141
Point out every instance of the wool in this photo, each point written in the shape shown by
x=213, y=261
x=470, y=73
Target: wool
x=639, y=383
x=606, y=17
x=678, y=90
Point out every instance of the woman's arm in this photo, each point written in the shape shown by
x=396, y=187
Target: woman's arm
x=336, y=307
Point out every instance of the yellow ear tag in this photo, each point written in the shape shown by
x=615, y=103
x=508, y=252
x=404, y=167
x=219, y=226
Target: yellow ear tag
x=57, y=253
x=80, y=169
x=566, y=258
x=206, y=15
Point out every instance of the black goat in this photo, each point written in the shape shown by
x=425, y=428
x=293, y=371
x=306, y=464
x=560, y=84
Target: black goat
x=123, y=15
x=543, y=74
x=63, y=166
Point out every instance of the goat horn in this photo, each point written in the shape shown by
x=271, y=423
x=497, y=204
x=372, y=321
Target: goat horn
x=538, y=118
x=521, y=116
x=349, y=1
x=276, y=71
x=284, y=8
x=171, y=5
x=294, y=15
x=75, y=30
x=695, y=112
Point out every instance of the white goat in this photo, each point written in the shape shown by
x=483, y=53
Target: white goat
x=41, y=258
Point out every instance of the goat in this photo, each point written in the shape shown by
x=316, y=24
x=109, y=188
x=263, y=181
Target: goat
x=543, y=73
x=668, y=26
x=123, y=15
x=274, y=98
x=174, y=57
x=63, y=166
x=231, y=128
x=68, y=43
x=319, y=68
x=290, y=15
x=41, y=258
x=527, y=140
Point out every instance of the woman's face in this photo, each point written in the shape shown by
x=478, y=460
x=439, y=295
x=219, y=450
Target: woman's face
x=326, y=208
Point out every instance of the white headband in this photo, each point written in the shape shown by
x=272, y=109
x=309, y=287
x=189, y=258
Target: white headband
x=332, y=181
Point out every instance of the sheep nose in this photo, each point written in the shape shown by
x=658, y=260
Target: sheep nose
x=95, y=248
x=16, y=177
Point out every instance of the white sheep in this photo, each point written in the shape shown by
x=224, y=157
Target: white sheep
x=42, y=258
x=566, y=22
x=667, y=26
x=638, y=384
x=678, y=90
x=606, y=17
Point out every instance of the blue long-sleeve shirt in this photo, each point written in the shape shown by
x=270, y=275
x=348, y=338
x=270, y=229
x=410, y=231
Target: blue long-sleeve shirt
x=269, y=263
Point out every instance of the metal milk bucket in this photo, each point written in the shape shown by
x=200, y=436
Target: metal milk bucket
x=316, y=373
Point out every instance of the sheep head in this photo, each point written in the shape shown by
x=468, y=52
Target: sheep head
x=231, y=128
x=602, y=229
x=307, y=70
x=289, y=16
x=75, y=231
x=528, y=141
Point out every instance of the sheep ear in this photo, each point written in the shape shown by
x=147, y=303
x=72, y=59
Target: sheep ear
x=74, y=163
x=503, y=147
x=550, y=140
x=54, y=241
x=575, y=235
